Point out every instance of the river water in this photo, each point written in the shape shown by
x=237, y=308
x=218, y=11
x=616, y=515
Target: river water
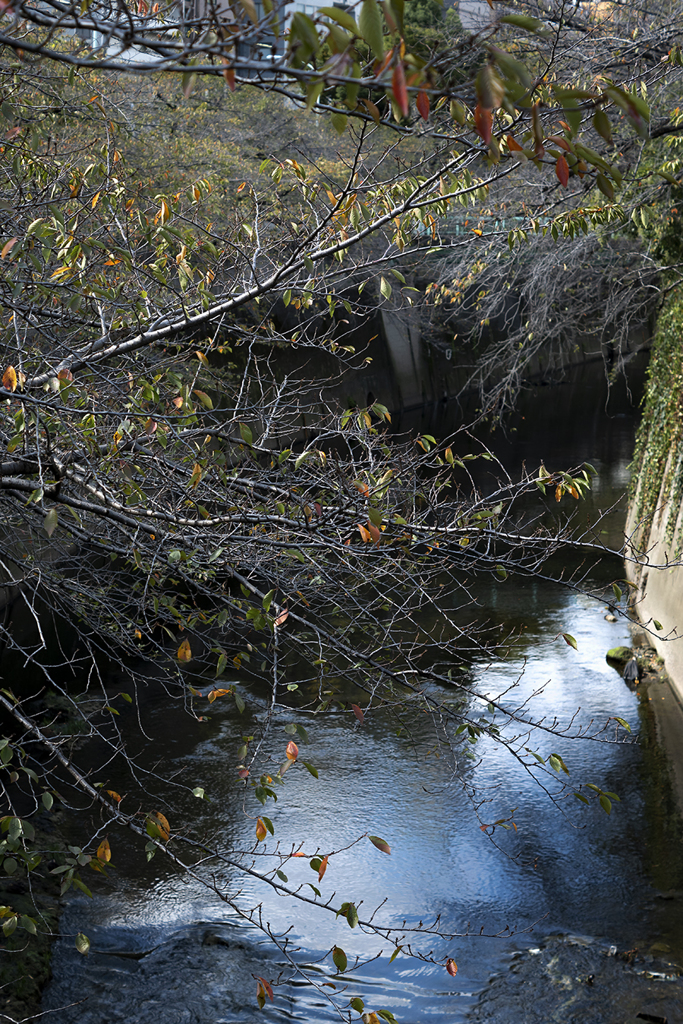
x=588, y=905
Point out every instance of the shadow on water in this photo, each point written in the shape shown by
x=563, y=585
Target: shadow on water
x=578, y=896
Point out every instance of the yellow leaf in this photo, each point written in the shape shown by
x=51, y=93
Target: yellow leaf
x=9, y=379
x=95, y=200
x=261, y=830
x=104, y=852
x=185, y=651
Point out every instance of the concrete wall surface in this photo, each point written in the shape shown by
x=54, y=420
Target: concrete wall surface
x=651, y=566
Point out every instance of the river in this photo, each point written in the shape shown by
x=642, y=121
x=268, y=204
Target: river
x=578, y=890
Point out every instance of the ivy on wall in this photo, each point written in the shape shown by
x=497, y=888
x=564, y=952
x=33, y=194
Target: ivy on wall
x=657, y=468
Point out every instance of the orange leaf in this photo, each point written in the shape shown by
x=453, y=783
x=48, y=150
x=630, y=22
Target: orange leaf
x=558, y=493
x=298, y=854
x=184, y=651
x=483, y=122
x=243, y=773
x=104, y=852
x=364, y=533
x=211, y=697
x=423, y=104
x=65, y=374
x=150, y=427
x=562, y=171
x=292, y=751
x=398, y=87
x=451, y=967
x=7, y=246
x=261, y=830
x=114, y=795
x=9, y=379
x=322, y=869
x=157, y=826
x=513, y=145
x=358, y=713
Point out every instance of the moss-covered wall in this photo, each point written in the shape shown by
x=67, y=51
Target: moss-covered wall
x=654, y=529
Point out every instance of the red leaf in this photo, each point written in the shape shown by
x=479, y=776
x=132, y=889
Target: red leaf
x=358, y=713
x=562, y=171
x=451, y=967
x=267, y=986
x=398, y=87
x=423, y=104
x=483, y=122
x=243, y=773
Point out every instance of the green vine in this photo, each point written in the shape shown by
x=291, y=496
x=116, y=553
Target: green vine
x=657, y=467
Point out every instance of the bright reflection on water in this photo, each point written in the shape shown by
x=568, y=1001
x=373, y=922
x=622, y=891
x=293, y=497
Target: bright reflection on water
x=567, y=869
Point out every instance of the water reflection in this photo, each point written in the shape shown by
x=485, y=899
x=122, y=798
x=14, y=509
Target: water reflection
x=567, y=869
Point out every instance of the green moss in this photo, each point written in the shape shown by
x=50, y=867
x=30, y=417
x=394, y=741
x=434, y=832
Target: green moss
x=657, y=468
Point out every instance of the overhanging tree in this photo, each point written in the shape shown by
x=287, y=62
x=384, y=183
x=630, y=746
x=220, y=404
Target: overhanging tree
x=173, y=485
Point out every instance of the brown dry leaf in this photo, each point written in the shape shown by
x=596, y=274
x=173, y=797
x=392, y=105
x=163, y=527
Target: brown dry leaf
x=358, y=712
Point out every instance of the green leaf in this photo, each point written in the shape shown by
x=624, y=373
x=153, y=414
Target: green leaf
x=617, y=591
x=395, y=954
x=47, y=801
x=199, y=793
x=624, y=724
x=82, y=944
x=568, y=639
x=605, y=803
x=381, y=844
x=527, y=23
x=357, y=1004
x=657, y=624
x=239, y=703
x=385, y=287
x=245, y=433
x=370, y=26
x=582, y=798
x=341, y=16
x=309, y=768
x=501, y=572
x=267, y=600
x=352, y=915
x=339, y=959
x=281, y=875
